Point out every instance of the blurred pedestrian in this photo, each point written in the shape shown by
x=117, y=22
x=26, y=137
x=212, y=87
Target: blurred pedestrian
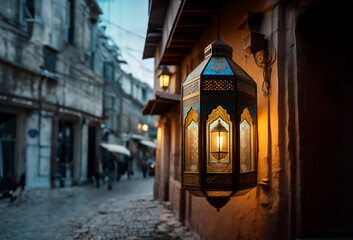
x=122, y=167
x=149, y=162
x=130, y=172
x=99, y=172
x=111, y=169
x=144, y=166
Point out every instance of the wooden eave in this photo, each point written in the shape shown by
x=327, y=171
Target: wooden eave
x=161, y=104
x=158, y=11
x=193, y=20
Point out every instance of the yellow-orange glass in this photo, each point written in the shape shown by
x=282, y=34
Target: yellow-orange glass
x=164, y=81
x=219, y=142
x=247, y=153
x=191, y=164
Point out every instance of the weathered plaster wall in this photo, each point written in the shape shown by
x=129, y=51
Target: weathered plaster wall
x=254, y=215
x=75, y=92
x=304, y=126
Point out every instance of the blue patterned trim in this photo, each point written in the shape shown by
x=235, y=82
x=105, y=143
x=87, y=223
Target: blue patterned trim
x=218, y=66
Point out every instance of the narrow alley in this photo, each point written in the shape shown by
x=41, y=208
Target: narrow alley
x=87, y=212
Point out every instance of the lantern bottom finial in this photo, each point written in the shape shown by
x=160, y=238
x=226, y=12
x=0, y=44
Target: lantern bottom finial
x=218, y=202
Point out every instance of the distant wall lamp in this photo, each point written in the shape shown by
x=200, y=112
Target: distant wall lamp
x=164, y=78
x=142, y=127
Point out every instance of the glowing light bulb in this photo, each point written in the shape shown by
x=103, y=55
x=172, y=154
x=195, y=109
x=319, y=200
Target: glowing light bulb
x=219, y=142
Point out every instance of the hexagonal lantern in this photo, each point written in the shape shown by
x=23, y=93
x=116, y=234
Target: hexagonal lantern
x=219, y=113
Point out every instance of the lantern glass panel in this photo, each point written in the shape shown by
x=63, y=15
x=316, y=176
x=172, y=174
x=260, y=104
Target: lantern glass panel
x=164, y=80
x=191, y=143
x=219, y=139
x=247, y=162
x=219, y=128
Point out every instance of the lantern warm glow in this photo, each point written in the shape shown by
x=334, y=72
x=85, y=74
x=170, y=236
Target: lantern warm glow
x=219, y=128
x=219, y=142
x=164, y=78
x=164, y=81
x=145, y=127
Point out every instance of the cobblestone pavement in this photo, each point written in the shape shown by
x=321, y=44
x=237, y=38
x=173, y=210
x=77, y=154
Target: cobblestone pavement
x=85, y=212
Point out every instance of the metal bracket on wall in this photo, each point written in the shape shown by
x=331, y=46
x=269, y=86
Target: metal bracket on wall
x=265, y=183
x=264, y=59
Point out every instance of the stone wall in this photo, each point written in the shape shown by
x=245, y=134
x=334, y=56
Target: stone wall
x=40, y=98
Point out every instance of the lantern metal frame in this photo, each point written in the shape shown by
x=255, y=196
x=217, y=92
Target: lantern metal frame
x=203, y=91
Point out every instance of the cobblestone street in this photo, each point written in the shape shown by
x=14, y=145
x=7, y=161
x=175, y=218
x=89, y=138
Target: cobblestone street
x=85, y=212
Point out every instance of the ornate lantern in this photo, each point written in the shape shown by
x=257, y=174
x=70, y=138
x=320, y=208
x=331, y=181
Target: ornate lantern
x=219, y=113
x=164, y=78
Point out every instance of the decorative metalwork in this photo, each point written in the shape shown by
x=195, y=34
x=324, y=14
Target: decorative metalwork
x=218, y=66
x=246, y=180
x=246, y=115
x=220, y=90
x=191, y=88
x=239, y=72
x=191, y=101
x=191, y=179
x=246, y=88
x=191, y=143
x=218, y=193
x=251, y=109
x=197, y=71
x=246, y=142
x=265, y=59
x=218, y=180
x=213, y=165
x=218, y=85
x=187, y=109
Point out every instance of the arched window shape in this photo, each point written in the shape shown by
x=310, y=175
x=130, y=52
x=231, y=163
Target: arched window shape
x=191, y=142
x=219, y=139
x=247, y=142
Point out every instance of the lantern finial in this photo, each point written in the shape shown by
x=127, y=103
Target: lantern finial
x=218, y=202
x=218, y=48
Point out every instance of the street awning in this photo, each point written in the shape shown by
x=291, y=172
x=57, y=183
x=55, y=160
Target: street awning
x=149, y=144
x=115, y=148
x=137, y=136
x=162, y=104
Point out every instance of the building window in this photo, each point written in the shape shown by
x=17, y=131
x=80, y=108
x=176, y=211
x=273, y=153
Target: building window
x=91, y=61
x=108, y=71
x=26, y=10
x=65, y=148
x=49, y=59
x=144, y=94
x=70, y=21
x=7, y=145
x=30, y=7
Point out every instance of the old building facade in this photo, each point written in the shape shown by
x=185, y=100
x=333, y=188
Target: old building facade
x=303, y=179
x=51, y=99
x=123, y=99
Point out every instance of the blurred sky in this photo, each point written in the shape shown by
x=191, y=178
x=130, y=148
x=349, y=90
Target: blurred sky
x=126, y=22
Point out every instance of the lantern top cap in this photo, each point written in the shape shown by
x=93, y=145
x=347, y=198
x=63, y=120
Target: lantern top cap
x=164, y=71
x=218, y=48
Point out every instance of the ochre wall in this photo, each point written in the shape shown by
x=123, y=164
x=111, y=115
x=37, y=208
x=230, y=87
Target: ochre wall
x=254, y=215
x=304, y=126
